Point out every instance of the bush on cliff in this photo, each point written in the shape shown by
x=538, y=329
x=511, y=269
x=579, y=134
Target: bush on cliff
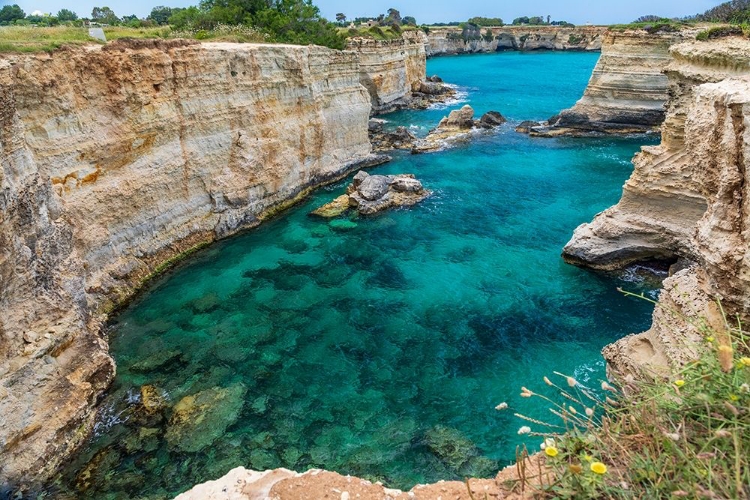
x=285, y=21
x=719, y=32
x=686, y=436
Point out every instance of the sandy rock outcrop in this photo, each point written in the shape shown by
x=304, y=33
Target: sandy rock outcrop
x=627, y=90
x=687, y=199
x=369, y=194
x=283, y=484
x=449, y=40
x=116, y=159
x=457, y=127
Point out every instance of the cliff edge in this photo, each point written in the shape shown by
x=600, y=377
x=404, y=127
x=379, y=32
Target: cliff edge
x=686, y=201
x=627, y=90
x=117, y=159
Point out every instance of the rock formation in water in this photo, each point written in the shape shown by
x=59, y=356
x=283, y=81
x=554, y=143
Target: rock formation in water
x=117, y=159
x=450, y=40
x=369, y=194
x=627, y=90
x=458, y=126
x=385, y=140
x=686, y=200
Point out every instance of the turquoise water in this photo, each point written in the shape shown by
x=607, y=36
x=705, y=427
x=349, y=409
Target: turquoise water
x=380, y=348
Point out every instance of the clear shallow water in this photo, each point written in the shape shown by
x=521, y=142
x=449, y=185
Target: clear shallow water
x=378, y=347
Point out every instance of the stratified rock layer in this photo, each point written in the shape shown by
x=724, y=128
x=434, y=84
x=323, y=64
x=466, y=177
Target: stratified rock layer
x=391, y=70
x=115, y=160
x=449, y=40
x=627, y=90
x=687, y=199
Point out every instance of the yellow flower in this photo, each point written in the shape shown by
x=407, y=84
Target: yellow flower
x=587, y=457
x=709, y=339
x=679, y=383
x=745, y=361
x=598, y=468
x=733, y=397
x=551, y=451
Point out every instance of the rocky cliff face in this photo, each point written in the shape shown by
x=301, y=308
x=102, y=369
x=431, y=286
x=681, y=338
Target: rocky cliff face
x=390, y=69
x=687, y=199
x=442, y=41
x=627, y=90
x=115, y=160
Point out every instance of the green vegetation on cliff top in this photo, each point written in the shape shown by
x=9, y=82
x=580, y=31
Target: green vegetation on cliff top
x=682, y=435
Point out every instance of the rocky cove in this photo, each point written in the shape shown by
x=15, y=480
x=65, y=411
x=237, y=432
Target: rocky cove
x=109, y=172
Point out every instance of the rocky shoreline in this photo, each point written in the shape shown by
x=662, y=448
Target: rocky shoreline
x=72, y=247
x=684, y=203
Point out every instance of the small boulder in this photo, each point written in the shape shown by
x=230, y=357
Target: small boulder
x=199, y=419
x=459, y=118
x=491, y=119
x=431, y=88
x=359, y=177
x=373, y=187
x=434, y=79
x=526, y=126
x=375, y=125
x=407, y=185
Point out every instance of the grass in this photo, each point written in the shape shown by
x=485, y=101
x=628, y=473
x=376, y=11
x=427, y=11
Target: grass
x=30, y=39
x=376, y=32
x=686, y=437
x=664, y=26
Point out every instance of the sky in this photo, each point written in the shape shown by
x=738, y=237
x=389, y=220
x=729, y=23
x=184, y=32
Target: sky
x=427, y=11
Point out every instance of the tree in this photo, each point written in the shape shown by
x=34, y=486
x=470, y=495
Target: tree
x=486, y=21
x=341, y=17
x=409, y=20
x=521, y=20
x=10, y=13
x=394, y=16
x=160, y=14
x=647, y=19
x=67, y=15
x=103, y=15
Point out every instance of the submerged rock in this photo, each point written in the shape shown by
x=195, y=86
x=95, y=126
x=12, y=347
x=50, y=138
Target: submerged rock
x=199, y=419
x=457, y=127
x=160, y=360
x=369, y=194
x=458, y=452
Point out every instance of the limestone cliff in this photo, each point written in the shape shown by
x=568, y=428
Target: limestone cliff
x=442, y=41
x=627, y=90
x=116, y=159
x=390, y=69
x=687, y=199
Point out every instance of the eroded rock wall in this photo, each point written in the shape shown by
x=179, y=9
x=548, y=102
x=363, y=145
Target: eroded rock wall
x=687, y=199
x=390, y=69
x=627, y=90
x=115, y=160
x=441, y=41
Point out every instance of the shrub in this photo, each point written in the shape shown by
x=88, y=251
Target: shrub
x=719, y=32
x=685, y=436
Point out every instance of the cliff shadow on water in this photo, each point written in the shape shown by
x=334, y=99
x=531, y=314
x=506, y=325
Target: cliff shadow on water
x=377, y=346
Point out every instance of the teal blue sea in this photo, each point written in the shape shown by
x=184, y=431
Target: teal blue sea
x=380, y=348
